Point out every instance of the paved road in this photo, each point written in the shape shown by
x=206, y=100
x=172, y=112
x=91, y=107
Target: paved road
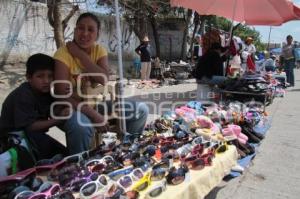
x=275, y=171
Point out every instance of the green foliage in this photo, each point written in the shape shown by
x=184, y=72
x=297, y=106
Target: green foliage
x=242, y=31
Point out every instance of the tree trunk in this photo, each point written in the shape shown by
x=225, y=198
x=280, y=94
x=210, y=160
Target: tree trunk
x=155, y=35
x=58, y=26
x=185, y=34
x=202, y=24
x=196, y=25
x=14, y=30
x=56, y=21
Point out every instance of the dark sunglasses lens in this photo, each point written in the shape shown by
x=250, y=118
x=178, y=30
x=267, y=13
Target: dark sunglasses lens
x=138, y=173
x=155, y=192
x=158, y=174
x=78, y=184
x=55, y=189
x=177, y=180
x=38, y=196
x=198, y=164
x=66, y=195
x=103, y=180
x=142, y=186
x=99, y=168
x=73, y=159
x=125, y=181
x=89, y=189
x=45, y=187
x=25, y=195
x=221, y=149
x=94, y=176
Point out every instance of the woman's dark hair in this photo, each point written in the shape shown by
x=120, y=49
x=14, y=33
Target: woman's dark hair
x=39, y=62
x=90, y=15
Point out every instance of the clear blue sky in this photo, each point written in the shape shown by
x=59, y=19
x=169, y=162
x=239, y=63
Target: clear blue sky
x=279, y=33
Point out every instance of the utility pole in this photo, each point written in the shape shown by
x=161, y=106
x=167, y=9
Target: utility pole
x=269, y=38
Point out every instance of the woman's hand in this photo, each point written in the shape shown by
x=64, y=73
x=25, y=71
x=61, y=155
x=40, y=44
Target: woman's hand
x=74, y=50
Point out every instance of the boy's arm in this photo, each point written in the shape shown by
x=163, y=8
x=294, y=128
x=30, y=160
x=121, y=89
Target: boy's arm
x=42, y=125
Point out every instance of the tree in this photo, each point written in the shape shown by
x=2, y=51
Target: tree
x=242, y=31
x=138, y=14
x=56, y=20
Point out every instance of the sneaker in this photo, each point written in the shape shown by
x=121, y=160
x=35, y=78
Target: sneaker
x=238, y=168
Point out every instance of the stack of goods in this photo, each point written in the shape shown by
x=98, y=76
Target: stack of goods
x=188, y=138
x=165, y=152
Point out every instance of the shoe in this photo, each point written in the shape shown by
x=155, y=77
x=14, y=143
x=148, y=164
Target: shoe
x=238, y=168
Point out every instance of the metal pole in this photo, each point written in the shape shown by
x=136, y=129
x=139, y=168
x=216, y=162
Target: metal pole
x=269, y=38
x=120, y=63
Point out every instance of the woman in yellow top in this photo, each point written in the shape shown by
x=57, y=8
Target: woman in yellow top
x=83, y=56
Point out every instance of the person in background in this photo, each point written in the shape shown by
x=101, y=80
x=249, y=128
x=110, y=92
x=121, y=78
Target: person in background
x=145, y=54
x=270, y=64
x=288, y=60
x=248, y=54
x=209, y=71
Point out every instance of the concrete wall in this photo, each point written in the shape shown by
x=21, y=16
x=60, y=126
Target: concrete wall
x=25, y=30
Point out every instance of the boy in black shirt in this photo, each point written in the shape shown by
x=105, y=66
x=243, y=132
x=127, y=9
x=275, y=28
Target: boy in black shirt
x=27, y=108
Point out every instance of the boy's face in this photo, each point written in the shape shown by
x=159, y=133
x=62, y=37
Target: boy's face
x=41, y=80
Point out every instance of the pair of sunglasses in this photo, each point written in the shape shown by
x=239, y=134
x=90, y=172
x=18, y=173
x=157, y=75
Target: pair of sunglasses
x=223, y=147
x=157, y=190
x=177, y=175
x=143, y=183
x=197, y=162
x=89, y=189
x=127, y=181
x=46, y=190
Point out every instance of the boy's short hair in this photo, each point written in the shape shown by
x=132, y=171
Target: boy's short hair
x=37, y=62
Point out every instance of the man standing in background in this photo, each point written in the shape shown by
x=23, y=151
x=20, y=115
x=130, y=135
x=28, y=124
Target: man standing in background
x=145, y=53
x=288, y=60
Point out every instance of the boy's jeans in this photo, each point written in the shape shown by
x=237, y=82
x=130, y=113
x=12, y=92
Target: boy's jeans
x=79, y=130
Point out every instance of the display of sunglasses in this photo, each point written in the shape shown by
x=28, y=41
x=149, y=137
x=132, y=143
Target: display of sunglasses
x=104, y=160
x=149, y=150
x=24, y=194
x=18, y=190
x=78, y=182
x=194, y=162
x=221, y=148
x=77, y=158
x=115, y=175
x=171, y=155
x=143, y=183
x=43, y=168
x=66, y=194
x=166, y=141
x=177, y=176
x=24, y=178
x=53, y=160
x=89, y=189
x=63, y=172
x=157, y=190
x=127, y=180
x=197, y=149
x=158, y=173
x=185, y=150
x=46, y=191
x=114, y=191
